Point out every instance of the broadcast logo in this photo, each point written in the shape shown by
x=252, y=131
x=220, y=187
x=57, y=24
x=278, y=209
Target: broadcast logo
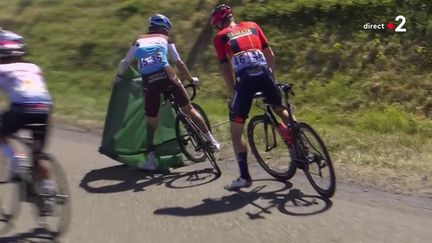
x=400, y=21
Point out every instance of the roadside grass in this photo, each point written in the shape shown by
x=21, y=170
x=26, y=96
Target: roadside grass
x=368, y=93
x=378, y=148
x=396, y=161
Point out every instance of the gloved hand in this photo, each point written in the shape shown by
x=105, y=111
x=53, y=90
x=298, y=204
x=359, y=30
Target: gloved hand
x=195, y=81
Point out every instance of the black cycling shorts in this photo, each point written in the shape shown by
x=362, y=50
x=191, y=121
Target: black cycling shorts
x=251, y=80
x=154, y=84
x=20, y=115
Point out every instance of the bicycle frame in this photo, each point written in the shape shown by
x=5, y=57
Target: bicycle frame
x=169, y=96
x=267, y=108
x=302, y=151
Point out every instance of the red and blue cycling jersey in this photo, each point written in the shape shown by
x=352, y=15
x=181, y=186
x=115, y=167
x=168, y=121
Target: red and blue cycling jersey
x=241, y=45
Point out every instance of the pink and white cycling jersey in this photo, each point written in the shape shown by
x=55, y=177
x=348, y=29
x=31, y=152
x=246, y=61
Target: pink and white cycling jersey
x=24, y=83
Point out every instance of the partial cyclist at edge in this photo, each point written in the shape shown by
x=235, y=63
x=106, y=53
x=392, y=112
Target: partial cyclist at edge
x=151, y=51
x=30, y=103
x=247, y=64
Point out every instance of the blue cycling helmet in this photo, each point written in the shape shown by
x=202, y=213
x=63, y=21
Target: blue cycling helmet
x=159, y=20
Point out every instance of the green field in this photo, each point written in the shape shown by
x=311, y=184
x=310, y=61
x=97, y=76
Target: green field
x=368, y=92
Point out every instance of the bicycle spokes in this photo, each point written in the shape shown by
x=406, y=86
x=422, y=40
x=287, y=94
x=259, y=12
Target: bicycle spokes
x=269, y=148
x=318, y=167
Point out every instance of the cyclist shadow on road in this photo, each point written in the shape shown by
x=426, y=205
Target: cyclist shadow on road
x=125, y=178
x=37, y=235
x=287, y=200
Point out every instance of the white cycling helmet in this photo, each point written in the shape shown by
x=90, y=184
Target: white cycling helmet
x=11, y=44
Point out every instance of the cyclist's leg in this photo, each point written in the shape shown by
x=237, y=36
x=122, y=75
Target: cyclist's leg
x=153, y=85
x=151, y=110
x=273, y=95
x=239, y=110
x=42, y=167
x=183, y=101
x=199, y=121
x=9, y=123
x=42, y=173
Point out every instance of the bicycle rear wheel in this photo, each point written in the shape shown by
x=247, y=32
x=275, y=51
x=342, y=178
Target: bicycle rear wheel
x=318, y=167
x=269, y=149
x=58, y=221
x=188, y=139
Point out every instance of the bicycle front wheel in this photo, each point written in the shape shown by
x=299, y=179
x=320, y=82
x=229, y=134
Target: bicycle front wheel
x=269, y=148
x=58, y=220
x=10, y=195
x=211, y=157
x=318, y=166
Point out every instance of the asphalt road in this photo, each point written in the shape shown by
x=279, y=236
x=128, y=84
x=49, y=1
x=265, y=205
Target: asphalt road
x=114, y=203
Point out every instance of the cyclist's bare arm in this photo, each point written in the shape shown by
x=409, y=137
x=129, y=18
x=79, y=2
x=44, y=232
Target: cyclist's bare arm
x=227, y=74
x=126, y=61
x=266, y=49
x=183, y=71
x=270, y=57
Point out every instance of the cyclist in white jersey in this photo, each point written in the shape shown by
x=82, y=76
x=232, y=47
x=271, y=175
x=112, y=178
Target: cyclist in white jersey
x=30, y=103
x=150, y=51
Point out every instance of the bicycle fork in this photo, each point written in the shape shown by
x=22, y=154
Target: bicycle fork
x=267, y=140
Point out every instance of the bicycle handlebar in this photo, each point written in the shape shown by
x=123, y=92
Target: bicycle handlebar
x=193, y=85
x=287, y=88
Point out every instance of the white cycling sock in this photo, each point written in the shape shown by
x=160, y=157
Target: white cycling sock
x=210, y=137
x=151, y=158
x=150, y=163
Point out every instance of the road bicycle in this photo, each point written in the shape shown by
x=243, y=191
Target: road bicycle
x=23, y=188
x=192, y=141
x=282, y=149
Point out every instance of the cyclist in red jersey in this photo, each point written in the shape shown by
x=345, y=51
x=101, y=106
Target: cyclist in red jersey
x=247, y=64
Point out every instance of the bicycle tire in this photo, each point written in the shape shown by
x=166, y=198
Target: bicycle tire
x=62, y=196
x=282, y=176
x=185, y=136
x=9, y=214
x=208, y=150
x=315, y=159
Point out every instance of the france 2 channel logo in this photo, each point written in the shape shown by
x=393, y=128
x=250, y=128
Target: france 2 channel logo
x=389, y=26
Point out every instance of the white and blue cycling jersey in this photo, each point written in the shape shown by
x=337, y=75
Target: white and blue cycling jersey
x=24, y=83
x=151, y=53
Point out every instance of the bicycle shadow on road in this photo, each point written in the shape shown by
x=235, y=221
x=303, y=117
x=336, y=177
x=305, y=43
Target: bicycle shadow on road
x=39, y=235
x=288, y=200
x=125, y=178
